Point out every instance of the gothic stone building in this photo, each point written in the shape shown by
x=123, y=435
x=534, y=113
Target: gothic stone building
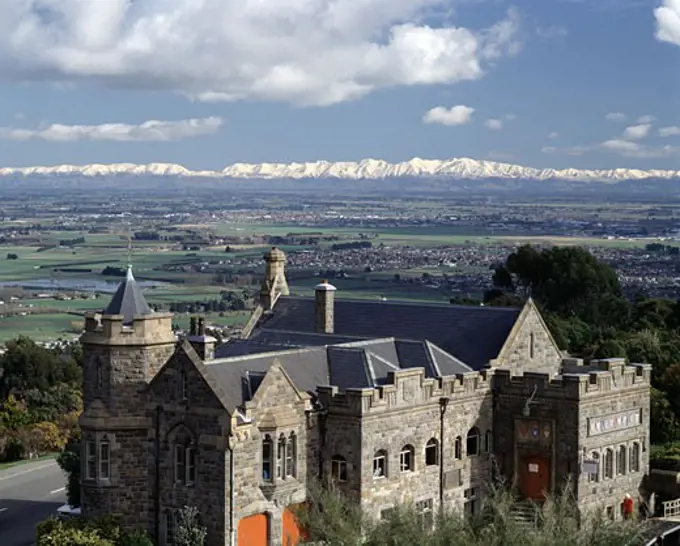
x=395, y=402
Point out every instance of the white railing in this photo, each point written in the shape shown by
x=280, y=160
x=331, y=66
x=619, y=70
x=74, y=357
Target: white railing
x=671, y=509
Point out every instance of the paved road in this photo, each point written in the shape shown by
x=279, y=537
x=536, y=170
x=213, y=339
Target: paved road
x=29, y=493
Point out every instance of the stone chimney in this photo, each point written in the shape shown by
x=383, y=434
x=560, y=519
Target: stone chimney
x=203, y=344
x=324, y=295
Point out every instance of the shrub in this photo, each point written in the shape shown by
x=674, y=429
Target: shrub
x=189, y=530
x=333, y=520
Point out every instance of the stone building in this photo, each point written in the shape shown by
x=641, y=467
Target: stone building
x=395, y=402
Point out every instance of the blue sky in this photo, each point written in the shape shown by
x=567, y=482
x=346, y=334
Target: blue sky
x=212, y=82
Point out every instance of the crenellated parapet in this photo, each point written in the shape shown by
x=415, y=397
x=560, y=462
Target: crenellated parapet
x=101, y=329
x=406, y=388
x=577, y=381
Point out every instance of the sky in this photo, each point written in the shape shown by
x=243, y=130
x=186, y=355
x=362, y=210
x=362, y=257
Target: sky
x=207, y=83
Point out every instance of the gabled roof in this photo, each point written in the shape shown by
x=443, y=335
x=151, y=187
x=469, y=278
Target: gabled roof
x=359, y=364
x=473, y=334
x=128, y=300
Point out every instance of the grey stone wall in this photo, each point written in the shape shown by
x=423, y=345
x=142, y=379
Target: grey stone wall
x=518, y=355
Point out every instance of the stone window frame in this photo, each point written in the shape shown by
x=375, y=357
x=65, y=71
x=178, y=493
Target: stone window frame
x=169, y=526
x=594, y=477
x=458, y=448
x=432, y=452
x=407, y=459
x=634, y=457
x=378, y=456
x=182, y=443
x=280, y=456
x=339, y=470
x=473, y=435
x=94, y=462
x=621, y=460
x=470, y=500
x=425, y=513
x=267, y=453
x=99, y=373
x=608, y=464
x=532, y=345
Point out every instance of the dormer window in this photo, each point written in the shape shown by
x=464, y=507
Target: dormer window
x=279, y=459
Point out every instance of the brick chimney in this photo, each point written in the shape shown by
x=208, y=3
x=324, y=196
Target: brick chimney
x=324, y=295
x=203, y=344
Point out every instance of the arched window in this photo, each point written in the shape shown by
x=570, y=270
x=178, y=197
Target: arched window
x=609, y=464
x=595, y=476
x=267, y=457
x=621, y=461
x=280, y=456
x=170, y=525
x=472, y=446
x=339, y=468
x=380, y=464
x=488, y=441
x=291, y=455
x=458, y=448
x=532, y=345
x=432, y=452
x=90, y=459
x=406, y=456
x=634, y=460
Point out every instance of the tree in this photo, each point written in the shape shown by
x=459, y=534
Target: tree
x=189, y=530
x=69, y=461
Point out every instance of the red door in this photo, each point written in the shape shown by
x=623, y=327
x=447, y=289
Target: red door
x=535, y=477
x=253, y=531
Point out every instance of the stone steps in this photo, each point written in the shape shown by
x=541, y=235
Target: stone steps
x=523, y=514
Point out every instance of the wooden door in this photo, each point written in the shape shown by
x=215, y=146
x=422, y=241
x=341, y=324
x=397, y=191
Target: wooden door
x=253, y=531
x=535, y=477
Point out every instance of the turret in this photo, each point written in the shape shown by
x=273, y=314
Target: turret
x=274, y=284
x=124, y=346
x=324, y=303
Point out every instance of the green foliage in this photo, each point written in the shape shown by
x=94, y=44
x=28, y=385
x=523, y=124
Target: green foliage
x=69, y=461
x=333, y=520
x=190, y=532
x=104, y=531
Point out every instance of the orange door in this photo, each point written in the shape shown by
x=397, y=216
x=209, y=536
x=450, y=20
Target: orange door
x=292, y=534
x=253, y=531
x=535, y=477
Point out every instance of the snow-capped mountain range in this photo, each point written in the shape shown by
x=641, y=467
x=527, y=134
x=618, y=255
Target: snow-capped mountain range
x=367, y=169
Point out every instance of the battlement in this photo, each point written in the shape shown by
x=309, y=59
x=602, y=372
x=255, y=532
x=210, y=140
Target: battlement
x=577, y=380
x=101, y=329
x=406, y=388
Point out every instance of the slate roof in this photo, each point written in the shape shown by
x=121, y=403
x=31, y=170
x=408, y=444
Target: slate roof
x=361, y=364
x=128, y=300
x=474, y=334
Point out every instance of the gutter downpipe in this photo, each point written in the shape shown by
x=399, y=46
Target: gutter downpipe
x=157, y=479
x=443, y=404
x=232, y=490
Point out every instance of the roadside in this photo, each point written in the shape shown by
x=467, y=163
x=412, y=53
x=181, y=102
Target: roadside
x=49, y=456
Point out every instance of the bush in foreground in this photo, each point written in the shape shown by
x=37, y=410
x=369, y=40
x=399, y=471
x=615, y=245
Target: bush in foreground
x=331, y=520
x=80, y=532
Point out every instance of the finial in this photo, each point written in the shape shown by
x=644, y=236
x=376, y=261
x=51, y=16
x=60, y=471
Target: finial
x=129, y=245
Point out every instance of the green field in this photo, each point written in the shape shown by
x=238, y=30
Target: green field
x=101, y=250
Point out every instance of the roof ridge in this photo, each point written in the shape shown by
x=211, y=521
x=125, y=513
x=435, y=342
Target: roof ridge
x=411, y=303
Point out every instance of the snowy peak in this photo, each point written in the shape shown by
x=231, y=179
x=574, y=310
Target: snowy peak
x=367, y=169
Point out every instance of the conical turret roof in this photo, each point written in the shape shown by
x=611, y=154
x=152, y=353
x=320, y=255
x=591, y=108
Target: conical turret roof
x=128, y=300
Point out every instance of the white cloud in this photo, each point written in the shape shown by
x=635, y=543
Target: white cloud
x=457, y=115
x=626, y=148
x=668, y=21
x=646, y=119
x=548, y=149
x=636, y=132
x=551, y=32
x=616, y=116
x=553, y=135
x=494, y=124
x=669, y=131
x=307, y=52
x=144, y=132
